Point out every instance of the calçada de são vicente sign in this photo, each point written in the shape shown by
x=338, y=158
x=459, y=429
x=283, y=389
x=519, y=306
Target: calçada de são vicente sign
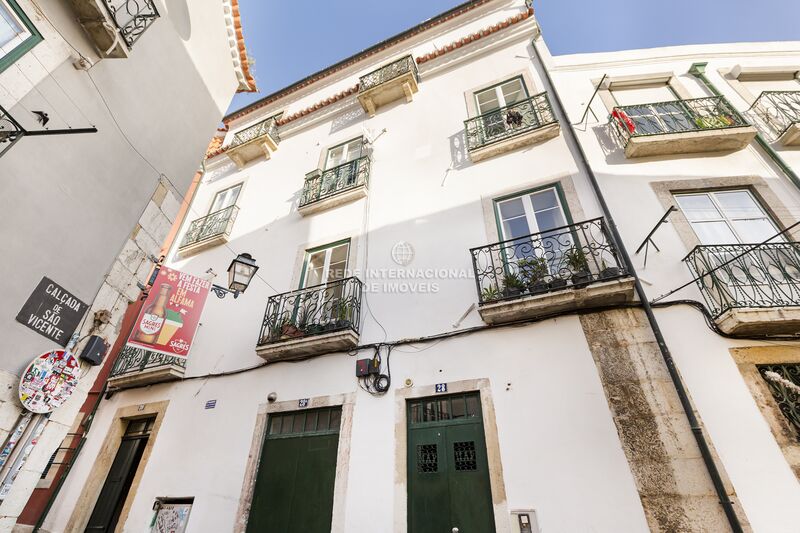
x=170, y=315
x=52, y=311
x=48, y=381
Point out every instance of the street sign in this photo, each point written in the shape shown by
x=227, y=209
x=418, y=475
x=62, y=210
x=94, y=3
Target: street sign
x=48, y=381
x=52, y=311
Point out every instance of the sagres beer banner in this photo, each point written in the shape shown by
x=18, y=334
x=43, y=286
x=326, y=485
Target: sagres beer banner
x=170, y=315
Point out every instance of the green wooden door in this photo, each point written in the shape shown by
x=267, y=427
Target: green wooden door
x=448, y=475
x=296, y=474
x=115, y=490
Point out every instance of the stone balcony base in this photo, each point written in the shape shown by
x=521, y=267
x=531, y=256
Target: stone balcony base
x=401, y=87
x=300, y=348
x=148, y=376
x=528, y=138
x=570, y=299
x=760, y=321
x=349, y=195
x=100, y=28
x=690, y=142
x=791, y=137
x=244, y=153
x=197, y=247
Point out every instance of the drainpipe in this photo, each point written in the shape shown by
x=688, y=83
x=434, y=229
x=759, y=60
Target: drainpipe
x=698, y=70
x=680, y=388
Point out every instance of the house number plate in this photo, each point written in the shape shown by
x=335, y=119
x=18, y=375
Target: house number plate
x=441, y=387
x=302, y=402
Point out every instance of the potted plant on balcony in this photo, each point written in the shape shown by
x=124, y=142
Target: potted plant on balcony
x=342, y=313
x=512, y=285
x=608, y=271
x=533, y=271
x=576, y=260
x=490, y=294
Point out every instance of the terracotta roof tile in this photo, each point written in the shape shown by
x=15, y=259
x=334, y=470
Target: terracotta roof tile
x=250, y=82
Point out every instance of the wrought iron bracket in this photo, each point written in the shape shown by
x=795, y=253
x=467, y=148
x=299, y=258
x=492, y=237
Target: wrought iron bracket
x=649, y=239
x=11, y=131
x=221, y=292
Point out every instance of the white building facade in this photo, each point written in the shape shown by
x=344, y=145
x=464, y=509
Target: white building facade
x=95, y=161
x=444, y=333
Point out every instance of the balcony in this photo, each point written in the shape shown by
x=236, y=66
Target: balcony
x=324, y=189
x=680, y=127
x=259, y=140
x=136, y=366
x=391, y=82
x=115, y=25
x=208, y=231
x=758, y=292
x=559, y=270
x=311, y=321
x=520, y=124
x=779, y=111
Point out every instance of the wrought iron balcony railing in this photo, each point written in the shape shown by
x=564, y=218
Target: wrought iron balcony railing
x=131, y=17
x=779, y=110
x=260, y=129
x=784, y=384
x=567, y=257
x=133, y=359
x=316, y=310
x=212, y=225
x=679, y=116
x=509, y=121
x=388, y=72
x=766, y=276
x=320, y=185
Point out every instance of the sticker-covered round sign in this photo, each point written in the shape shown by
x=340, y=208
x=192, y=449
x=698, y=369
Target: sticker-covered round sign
x=48, y=381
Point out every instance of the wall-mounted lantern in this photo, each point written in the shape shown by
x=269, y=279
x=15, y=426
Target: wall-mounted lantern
x=240, y=274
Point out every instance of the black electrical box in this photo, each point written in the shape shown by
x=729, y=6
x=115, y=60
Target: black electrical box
x=365, y=367
x=95, y=350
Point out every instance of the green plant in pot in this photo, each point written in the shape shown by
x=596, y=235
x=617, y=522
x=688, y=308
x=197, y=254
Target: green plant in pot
x=608, y=271
x=576, y=260
x=490, y=294
x=343, y=314
x=534, y=271
x=512, y=285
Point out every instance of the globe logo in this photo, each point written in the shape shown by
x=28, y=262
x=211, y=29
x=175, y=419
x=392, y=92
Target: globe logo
x=402, y=253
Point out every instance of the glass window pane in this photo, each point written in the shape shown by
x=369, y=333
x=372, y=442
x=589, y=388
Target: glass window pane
x=738, y=204
x=299, y=423
x=444, y=409
x=511, y=208
x=336, y=419
x=513, y=91
x=315, y=269
x=459, y=407
x=275, y=425
x=338, y=263
x=9, y=27
x=225, y=199
x=516, y=227
x=756, y=230
x=698, y=207
x=487, y=101
x=714, y=233
x=323, y=420
x=136, y=426
x=544, y=200
x=311, y=421
x=335, y=156
x=552, y=218
x=287, y=424
x=354, y=149
x=472, y=405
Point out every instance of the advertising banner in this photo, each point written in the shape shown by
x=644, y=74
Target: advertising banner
x=169, y=317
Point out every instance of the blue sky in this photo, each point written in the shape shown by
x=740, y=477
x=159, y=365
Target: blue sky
x=290, y=40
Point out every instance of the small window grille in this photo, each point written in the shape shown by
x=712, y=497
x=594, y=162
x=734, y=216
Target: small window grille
x=464, y=454
x=427, y=458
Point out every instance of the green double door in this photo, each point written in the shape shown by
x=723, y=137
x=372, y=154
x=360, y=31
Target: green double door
x=296, y=474
x=448, y=475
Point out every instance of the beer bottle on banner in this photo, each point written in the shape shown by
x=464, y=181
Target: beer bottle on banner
x=153, y=317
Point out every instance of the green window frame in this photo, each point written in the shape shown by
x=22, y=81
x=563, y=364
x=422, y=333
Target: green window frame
x=311, y=251
x=559, y=193
x=8, y=58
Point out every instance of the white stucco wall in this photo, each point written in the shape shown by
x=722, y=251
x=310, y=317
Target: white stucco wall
x=77, y=208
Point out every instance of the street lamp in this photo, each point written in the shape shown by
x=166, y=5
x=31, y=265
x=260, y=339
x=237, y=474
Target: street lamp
x=240, y=274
